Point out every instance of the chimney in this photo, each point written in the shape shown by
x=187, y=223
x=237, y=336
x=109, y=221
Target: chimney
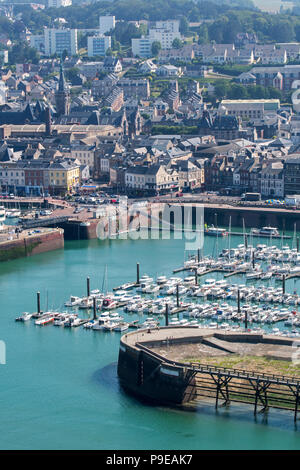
x=48, y=121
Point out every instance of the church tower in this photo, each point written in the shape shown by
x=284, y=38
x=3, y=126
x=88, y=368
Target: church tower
x=62, y=95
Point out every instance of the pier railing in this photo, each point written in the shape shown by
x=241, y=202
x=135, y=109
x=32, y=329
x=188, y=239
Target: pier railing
x=243, y=374
x=32, y=223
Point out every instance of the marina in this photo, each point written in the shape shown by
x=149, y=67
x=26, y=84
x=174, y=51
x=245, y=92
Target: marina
x=212, y=303
x=82, y=360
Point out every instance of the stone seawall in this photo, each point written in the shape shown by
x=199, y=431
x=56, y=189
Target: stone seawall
x=151, y=378
x=32, y=244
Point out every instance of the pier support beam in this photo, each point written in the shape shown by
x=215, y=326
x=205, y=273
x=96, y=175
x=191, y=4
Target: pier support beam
x=239, y=301
x=283, y=284
x=138, y=273
x=196, y=277
x=177, y=295
x=94, y=309
x=38, y=301
x=167, y=314
x=260, y=388
x=88, y=290
x=222, y=389
x=295, y=389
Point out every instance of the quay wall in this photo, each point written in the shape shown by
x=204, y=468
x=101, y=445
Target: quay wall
x=151, y=378
x=213, y=214
x=258, y=217
x=31, y=245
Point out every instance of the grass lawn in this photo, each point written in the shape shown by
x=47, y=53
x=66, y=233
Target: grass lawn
x=259, y=364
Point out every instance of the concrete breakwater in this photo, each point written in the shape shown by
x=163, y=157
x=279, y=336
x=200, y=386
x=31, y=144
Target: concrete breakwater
x=30, y=243
x=153, y=365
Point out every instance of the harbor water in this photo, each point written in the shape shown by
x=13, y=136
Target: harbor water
x=59, y=387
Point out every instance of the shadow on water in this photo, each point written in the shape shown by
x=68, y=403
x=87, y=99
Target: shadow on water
x=273, y=418
x=107, y=377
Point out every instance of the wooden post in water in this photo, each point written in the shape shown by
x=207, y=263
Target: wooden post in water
x=297, y=244
x=198, y=253
x=283, y=284
x=177, y=295
x=253, y=260
x=88, y=290
x=246, y=319
x=196, y=277
x=38, y=299
x=167, y=314
x=138, y=273
x=239, y=301
x=94, y=308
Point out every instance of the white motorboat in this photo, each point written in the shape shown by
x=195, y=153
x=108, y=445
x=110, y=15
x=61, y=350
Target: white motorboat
x=122, y=326
x=13, y=213
x=216, y=232
x=266, y=232
x=24, y=317
x=73, y=302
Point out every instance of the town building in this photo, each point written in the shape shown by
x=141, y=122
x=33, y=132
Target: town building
x=248, y=109
x=64, y=176
x=292, y=174
x=106, y=23
x=59, y=40
x=272, y=180
x=98, y=45
x=58, y=3
x=151, y=179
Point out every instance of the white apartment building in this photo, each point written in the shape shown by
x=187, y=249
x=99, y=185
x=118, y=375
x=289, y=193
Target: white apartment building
x=164, y=36
x=168, y=25
x=142, y=47
x=106, y=23
x=60, y=40
x=3, y=92
x=59, y=3
x=38, y=42
x=4, y=56
x=98, y=45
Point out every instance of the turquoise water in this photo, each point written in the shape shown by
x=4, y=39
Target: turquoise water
x=59, y=388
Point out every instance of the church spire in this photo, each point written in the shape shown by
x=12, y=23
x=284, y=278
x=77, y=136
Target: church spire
x=62, y=81
x=62, y=95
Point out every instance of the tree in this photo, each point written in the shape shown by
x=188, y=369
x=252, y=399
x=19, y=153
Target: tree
x=155, y=48
x=184, y=26
x=72, y=73
x=237, y=92
x=21, y=53
x=203, y=34
x=221, y=89
x=64, y=55
x=177, y=44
